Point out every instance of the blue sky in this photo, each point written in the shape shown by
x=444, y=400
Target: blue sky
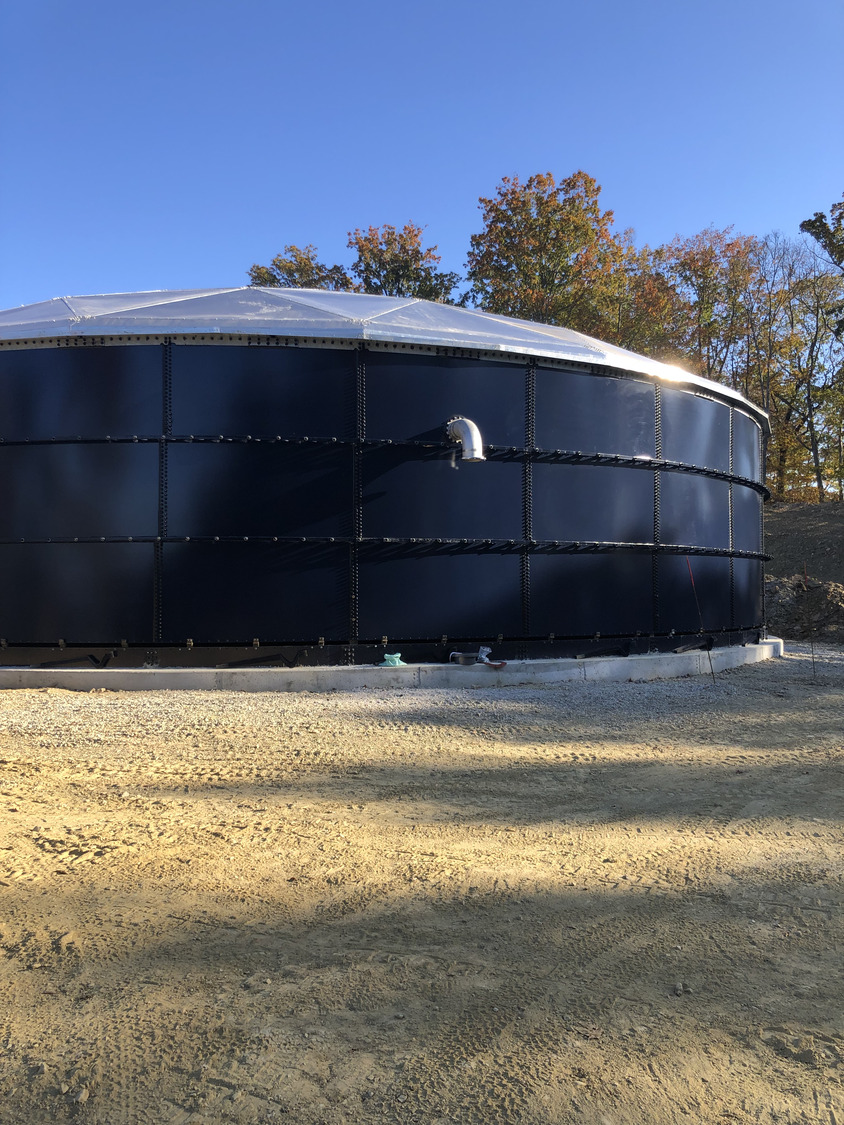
x=171, y=145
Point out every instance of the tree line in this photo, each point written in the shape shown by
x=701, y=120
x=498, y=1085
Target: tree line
x=763, y=315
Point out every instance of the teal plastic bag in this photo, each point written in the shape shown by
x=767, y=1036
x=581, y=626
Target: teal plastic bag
x=392, y=660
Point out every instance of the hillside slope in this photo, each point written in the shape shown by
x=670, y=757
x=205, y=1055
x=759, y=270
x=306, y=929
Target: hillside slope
x=810, y=534
x=804, y=589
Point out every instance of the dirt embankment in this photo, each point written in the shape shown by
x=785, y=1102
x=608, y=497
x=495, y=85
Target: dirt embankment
x=804, y=587
x=805, y=535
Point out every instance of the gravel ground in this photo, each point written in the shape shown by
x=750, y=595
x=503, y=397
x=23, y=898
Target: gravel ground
x=594, y=902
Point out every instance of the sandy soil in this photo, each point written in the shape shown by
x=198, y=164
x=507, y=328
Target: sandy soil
x=589, y=903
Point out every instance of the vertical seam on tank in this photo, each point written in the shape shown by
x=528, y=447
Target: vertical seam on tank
x=657, y=511
x=527, y=495
x=761, y=476
x=166, y=433
x=732, y=535
x=357, y=500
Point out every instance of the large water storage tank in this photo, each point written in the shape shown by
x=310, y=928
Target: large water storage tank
x=218, y=476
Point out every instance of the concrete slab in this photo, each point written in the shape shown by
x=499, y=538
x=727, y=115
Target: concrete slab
x=653, y=666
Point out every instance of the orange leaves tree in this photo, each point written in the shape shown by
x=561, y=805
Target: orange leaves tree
x=394, y=262
x=389, y=261
x=712, y=274
x=547, y=252
x=761, y=315
x=297, y=267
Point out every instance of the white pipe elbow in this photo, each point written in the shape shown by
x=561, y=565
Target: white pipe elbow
x=464, y=431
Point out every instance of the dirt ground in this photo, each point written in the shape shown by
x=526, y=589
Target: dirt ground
x=613, y=904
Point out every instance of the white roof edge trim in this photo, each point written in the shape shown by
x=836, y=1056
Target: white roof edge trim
x=500, y=354
x=339, y=315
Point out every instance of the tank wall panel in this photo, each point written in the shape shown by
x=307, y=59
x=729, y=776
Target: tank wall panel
x=679, y=597
x=413, y=397
x=747, y=519
x=593, y=503
x=88, y=485
x=84, y=593
x=259, y=489
x=695, y=430
x=57, y=491
x=408, y=494
x=748, y=601
x=694, y=511
x=585, y=594
x=747, y=447
x=429, y=596
x=87, y=392
x=307, y=392
x=593, y=414
x=219, y=593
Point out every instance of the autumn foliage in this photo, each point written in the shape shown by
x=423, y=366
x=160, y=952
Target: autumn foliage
x=764, y=316
x=394, y=262
x=546, y=252
x=390, y=262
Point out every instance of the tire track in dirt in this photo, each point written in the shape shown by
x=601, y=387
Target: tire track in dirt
x=311, y=907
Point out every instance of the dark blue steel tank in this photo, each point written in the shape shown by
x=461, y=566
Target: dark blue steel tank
x=267, y=475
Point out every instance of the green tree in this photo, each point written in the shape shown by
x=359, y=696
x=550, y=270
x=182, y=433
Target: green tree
x=395, y=263
x=299, y=268
x=829, y=234
x=816, y=361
